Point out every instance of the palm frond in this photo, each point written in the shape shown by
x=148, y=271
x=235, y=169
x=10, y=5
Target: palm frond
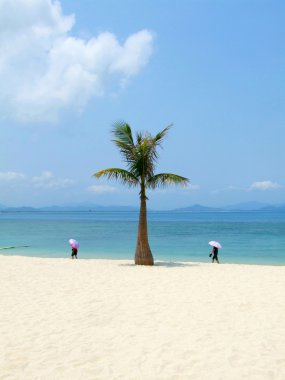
x=123, y=133
x=159, y=137
x=143, y=164
x=139, y=137
x=121, y=175
x=148, y=149
x=165, y=179
x=124, y=140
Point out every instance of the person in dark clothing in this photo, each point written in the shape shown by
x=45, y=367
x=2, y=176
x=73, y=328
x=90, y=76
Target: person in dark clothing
x=74, y=253
x=214, y=254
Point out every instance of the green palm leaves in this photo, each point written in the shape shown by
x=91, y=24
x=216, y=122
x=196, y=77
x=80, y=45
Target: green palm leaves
x=121, y=175
x=141, y=157
x=165, y=179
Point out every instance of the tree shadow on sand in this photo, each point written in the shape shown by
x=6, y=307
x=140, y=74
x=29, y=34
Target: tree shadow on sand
x=166, y=264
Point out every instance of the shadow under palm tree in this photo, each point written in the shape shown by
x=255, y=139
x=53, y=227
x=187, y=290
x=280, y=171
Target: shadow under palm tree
x=167, y=264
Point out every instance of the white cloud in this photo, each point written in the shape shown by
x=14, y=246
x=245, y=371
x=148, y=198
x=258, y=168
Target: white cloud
x=258, y=185
x=11, y=176
x=47, y=181
x=44, y=69
x=192, y=187
x=264, y=185
x=101, y=189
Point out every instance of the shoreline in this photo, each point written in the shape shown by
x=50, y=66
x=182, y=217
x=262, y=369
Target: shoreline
x=156, y=262
x=111, y=319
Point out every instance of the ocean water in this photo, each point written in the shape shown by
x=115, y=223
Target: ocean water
x=246, y=237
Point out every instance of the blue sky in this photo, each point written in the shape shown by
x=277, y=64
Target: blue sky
x=213, y=68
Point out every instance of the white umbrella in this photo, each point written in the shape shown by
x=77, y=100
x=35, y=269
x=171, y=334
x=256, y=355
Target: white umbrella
x=215, y=244
x=73, y=243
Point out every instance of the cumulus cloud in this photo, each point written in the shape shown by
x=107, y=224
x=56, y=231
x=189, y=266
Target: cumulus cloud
x=44, y=69
x=101, y=189
x=11, y=176
x=47, y=180
x=264, y=185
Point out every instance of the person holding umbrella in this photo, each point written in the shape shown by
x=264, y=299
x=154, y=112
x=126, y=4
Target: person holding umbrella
x=74, y=248
x=74, y=253
x=214, y=253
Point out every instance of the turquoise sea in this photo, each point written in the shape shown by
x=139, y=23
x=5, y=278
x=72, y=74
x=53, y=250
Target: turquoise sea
x=247, y=237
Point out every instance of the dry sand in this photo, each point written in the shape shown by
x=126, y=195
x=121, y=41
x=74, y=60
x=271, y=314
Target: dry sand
x=103, y=319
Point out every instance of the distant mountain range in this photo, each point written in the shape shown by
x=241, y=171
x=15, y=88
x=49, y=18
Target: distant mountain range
x=247, y=206
x=75, y=207
x=91, y=207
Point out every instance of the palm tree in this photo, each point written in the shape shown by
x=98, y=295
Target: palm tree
x=140, y=157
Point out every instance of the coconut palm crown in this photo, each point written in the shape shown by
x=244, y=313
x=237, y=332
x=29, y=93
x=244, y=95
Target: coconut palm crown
x=141, y=157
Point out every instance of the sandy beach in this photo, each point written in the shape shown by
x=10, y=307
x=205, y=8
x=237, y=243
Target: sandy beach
x=108, y=319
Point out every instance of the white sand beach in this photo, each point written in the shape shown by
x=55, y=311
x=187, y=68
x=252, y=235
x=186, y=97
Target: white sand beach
x=105, y=319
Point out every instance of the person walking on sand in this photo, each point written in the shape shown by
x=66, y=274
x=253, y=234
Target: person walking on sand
x=74, y=253
x=74, y=248
x=214, y=254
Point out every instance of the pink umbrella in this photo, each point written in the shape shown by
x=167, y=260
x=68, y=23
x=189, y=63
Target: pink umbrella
x=73, y=243
x=215, y=244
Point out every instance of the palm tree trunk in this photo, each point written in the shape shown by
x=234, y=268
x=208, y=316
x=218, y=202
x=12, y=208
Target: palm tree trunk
x=143, y=253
